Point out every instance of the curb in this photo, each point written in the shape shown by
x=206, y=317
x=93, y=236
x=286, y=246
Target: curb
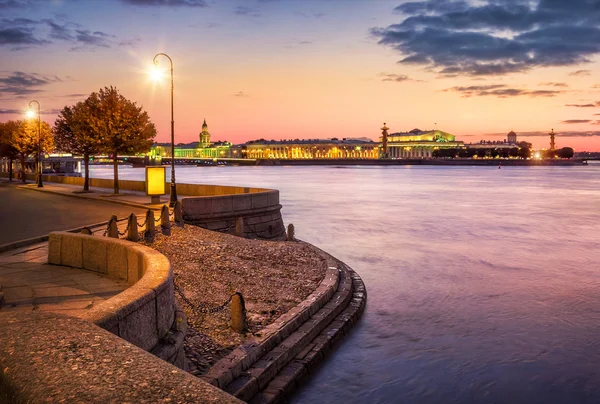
x=40, y=239
x=137, y=205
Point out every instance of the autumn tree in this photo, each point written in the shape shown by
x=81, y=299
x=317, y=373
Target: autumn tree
x=7, y=150
x=123, y=127
x=74, y=133
x=25, y=140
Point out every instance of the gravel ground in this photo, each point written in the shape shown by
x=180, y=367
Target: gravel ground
x=272, y=276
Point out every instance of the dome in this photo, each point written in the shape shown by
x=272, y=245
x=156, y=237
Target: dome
x=512, y=133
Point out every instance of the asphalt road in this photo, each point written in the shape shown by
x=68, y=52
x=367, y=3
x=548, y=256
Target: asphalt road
x=25, y=214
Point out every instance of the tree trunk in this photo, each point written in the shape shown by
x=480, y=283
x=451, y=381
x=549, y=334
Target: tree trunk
x=23, y=168
x=116, y=168
x=86, y=164
x=10, y=172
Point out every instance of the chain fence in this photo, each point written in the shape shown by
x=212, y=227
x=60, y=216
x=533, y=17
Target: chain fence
x=201, y=307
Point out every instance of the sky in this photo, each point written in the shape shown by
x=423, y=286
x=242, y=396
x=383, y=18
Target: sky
x=286, y=69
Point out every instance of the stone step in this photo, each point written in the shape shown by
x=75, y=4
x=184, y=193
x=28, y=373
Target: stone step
x=241, y=358
x=260, y=373
x=298, y=369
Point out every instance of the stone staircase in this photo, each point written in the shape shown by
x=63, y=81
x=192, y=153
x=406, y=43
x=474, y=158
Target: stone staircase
x=268, y=368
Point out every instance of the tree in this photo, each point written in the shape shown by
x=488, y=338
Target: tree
x=566, y=153
x=122, y=127
x=7, y=150
x=74, y=133
x=25, y=140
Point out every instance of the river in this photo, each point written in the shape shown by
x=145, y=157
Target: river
x=483, y=283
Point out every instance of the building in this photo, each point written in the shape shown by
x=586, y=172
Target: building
x=311, y=149
x=419, y=144
x=202, y=149
x=508, y=143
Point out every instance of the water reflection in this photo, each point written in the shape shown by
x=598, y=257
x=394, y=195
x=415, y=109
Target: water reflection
x=483, y=284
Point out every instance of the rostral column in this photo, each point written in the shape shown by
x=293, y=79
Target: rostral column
x=384, y=140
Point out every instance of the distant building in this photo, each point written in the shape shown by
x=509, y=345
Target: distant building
x=419, y=144
x=202, y=149
x=508, y=143
x=310, y=149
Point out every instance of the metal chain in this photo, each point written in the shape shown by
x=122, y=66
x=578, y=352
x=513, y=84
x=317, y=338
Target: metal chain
x=143, y=224
x=125, y=231
x=202, y=307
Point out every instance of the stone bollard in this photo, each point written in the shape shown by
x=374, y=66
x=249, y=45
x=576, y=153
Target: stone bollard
x=132, y=232
x=238, y=313
x=291, y=233
x=178, y=213
x=113, y=230
x=239, y=227
x=165, y=223
x=86, y=230
x=150, y=226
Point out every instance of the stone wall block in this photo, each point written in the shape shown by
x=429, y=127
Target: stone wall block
x=165, y=316
x=71, y=251
x=260, y=200
x=273, y=198
x=117, y=261
x=241, y=202
x=135, y=266
x=139, y=326
x=54, y=248
x=94, y=254
x=222, y=205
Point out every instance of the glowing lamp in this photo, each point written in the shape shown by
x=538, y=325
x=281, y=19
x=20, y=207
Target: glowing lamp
x=30, y=114
x=155, y=182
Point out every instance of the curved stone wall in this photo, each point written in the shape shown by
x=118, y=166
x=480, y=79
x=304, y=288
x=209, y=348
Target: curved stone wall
x=145, y=314
x=259, y=209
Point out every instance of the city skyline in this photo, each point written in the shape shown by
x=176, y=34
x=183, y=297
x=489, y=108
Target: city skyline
x=313, y=69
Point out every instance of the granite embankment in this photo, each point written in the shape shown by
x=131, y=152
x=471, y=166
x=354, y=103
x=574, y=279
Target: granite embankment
x=266, y=367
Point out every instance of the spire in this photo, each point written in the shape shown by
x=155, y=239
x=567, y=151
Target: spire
x=204, y=125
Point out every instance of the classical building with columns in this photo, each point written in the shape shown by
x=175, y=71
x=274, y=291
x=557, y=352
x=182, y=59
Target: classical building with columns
x=311, y=149
x=419, y=144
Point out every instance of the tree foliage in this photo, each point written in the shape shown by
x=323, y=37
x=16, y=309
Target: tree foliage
x=74, y=133
x=123, y=127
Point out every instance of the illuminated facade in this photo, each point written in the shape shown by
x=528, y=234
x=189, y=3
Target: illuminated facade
x=310, y=149
x=419, y=144
x=202, y=149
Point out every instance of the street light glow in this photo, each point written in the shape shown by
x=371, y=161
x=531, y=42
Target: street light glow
x=30, y=114
x=156, y=74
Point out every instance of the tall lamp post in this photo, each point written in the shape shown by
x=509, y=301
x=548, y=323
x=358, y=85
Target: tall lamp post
x=173, y=198
x=39, y=150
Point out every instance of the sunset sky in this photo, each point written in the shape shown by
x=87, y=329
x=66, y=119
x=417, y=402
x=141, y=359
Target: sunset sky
x=280, y=69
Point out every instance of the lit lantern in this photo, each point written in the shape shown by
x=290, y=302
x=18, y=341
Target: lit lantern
x=155, y=182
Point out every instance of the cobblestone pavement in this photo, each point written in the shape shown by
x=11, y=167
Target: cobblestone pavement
x=28, y=282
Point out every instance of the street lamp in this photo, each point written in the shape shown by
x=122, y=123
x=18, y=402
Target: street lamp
x=38, y=173
x=173, y=198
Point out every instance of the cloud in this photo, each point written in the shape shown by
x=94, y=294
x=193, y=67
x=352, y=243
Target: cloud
x=305, y=43
x=546, y=134
x=240, y=94
x=169, y=3
x=20, y=83
x=553, y=84
x=577, y=121
x=23, y=32
x=596, y=104
x=394, y=77
x=500, y=91
x=247, y=11
x=493, y=37
x=580, y=73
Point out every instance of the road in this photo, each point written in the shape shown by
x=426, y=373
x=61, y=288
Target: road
x=25, y=213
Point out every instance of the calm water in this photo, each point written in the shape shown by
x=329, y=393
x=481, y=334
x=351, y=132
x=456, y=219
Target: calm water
x=483, y=284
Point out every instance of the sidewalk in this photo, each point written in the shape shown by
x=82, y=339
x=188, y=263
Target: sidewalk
x=131, y=198
x=29, y=283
